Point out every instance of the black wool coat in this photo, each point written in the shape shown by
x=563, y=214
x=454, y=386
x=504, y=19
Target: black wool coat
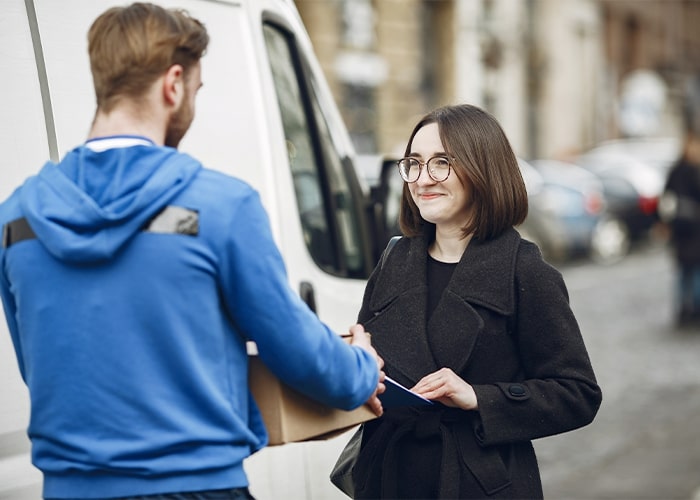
x=504, y=325
x=684, y=182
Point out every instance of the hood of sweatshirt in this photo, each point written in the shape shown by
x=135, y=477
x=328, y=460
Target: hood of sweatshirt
x=85, y=208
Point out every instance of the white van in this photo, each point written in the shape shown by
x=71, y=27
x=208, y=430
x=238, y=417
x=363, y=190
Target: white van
x=264, y=114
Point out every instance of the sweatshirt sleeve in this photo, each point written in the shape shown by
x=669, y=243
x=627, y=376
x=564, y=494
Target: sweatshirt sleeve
x=291, y=340
x=559, y=391
x=10, y=309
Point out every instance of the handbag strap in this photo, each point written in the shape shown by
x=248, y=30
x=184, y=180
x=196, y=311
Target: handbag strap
x=392, y=242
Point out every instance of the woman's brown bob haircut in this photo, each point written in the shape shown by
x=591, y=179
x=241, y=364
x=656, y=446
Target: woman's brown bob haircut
x=482, y=158
x=131, y=47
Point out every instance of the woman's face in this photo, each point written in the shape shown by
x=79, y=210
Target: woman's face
x=446, y=204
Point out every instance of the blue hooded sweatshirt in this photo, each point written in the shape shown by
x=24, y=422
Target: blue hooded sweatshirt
x=130, y=310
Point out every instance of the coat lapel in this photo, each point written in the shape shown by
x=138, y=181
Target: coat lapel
x=484, y=277
x=410, y=347
x=398, y=302
x=486, y=273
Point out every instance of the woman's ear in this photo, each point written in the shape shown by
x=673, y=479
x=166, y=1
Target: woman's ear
x=174, y=86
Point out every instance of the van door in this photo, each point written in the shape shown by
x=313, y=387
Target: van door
x=329, y=200
x=332, y=260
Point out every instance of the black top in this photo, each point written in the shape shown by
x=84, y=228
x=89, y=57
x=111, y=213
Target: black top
x=439, y=275
x=684, y=182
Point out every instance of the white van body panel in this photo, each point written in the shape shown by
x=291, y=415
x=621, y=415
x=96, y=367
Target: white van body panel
x=237, y=130
x=23, y=138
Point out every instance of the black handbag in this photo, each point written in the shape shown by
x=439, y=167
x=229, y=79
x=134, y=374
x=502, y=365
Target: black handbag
x=341, y=475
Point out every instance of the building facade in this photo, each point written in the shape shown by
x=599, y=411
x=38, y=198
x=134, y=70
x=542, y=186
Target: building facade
x=560, y=75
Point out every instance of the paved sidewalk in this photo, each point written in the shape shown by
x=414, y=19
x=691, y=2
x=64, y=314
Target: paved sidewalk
x=660, y=459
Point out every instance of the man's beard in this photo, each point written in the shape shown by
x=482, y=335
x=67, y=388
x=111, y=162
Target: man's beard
x=179, y=123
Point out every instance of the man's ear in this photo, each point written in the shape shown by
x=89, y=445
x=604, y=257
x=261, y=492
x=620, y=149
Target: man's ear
x=174, y=86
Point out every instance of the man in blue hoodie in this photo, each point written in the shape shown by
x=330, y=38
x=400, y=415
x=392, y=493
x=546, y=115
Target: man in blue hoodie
x=131, y=278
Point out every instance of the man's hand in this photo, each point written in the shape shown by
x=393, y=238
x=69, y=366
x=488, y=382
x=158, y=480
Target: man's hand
x=362, y=339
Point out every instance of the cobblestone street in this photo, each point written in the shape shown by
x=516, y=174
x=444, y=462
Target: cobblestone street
x=645, y=441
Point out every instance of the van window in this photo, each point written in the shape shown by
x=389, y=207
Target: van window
x=328, y=208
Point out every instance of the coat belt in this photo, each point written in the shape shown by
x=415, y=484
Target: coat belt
x=459, y=444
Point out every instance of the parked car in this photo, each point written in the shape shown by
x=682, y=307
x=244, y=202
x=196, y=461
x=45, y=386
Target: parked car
x=379, y=178
x=570, y=214
x=632, y=187
x=657, y=152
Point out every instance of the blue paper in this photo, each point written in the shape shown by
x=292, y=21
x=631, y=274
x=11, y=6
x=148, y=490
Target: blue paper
x=397, y=395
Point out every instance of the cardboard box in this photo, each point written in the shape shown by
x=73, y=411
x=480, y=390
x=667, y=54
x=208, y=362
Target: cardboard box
x=290, y=416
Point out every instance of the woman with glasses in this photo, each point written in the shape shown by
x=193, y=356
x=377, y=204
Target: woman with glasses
x=468, y=314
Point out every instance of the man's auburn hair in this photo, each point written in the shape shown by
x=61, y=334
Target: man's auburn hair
x=131, y=47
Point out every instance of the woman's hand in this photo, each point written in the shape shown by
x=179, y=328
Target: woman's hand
x=448, y=388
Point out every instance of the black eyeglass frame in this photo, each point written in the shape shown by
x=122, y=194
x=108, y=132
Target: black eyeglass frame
x=422, y=164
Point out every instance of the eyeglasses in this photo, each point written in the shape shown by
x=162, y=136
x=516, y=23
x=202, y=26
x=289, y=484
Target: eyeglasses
x=438, y=168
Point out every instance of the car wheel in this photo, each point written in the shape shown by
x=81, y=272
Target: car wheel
x=610, y=241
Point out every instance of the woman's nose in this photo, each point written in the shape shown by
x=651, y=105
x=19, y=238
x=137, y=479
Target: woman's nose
x=424, y=176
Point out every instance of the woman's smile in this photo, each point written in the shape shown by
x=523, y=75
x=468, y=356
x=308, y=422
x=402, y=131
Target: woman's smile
x=429, y=196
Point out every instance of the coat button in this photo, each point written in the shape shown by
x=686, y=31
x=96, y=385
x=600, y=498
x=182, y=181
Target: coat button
x=517, y=390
